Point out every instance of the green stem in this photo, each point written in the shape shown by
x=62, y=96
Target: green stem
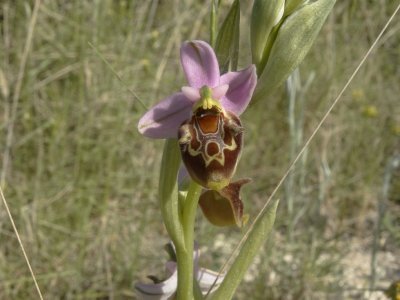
x=185, y=256
x=189, y=213
x=185, y=274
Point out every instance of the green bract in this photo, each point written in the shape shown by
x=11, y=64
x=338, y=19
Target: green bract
x=294, y=39
x=255, y=239
x=168, y=191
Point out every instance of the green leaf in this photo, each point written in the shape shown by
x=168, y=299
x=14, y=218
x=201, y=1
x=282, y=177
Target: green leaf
x=213, y=22
x=295, y=38
x=168, y=192
x=264, y=16
x=257, y=236
x=227, y=44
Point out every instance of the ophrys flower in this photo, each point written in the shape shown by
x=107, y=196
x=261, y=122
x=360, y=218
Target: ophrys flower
x=204, y=115
x=204, y=119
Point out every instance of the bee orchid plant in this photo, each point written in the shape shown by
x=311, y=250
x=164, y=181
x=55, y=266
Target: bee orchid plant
x=204, y=118
x=204, y=136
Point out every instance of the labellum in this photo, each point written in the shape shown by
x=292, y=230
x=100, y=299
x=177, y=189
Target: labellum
x=211, y=142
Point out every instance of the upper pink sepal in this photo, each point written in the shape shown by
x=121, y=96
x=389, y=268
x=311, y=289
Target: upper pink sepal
x=200, y=64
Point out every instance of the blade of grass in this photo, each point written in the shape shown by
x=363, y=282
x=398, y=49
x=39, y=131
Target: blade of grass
x=227, y=41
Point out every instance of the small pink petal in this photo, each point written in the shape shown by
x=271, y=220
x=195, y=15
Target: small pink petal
x=191, y=93
x=171, y=267
x=163, y=119
x=199, y=64
x=241, y=87
x=166, y=289
x=219, y=91
x=208, y=279
x=162, y=290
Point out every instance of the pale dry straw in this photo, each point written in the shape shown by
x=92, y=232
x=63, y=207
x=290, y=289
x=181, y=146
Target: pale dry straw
x=20, y=243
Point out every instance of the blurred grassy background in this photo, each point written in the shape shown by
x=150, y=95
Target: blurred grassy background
x=81, y=182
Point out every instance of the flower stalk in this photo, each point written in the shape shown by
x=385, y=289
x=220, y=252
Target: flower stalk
x=185, y=256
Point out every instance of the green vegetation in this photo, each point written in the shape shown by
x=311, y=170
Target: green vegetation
x=81, y=182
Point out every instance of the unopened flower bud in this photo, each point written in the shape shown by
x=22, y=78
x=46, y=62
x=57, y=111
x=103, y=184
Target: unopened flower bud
x=265, y=15
x=294, y=39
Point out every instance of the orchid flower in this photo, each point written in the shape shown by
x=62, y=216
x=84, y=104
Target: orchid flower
x=166, y=289
x=204, y=118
